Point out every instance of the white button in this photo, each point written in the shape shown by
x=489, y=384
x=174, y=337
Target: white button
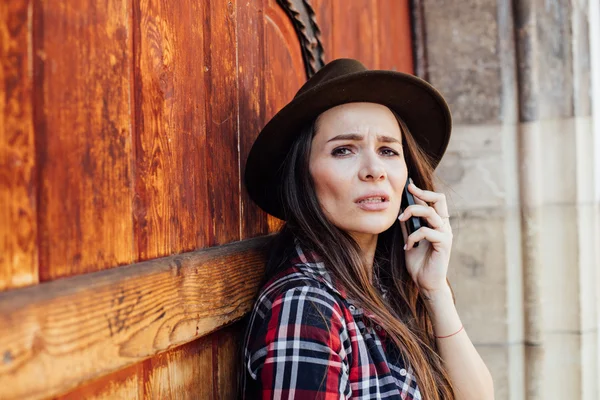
x=352, y=308
x=403, y=372
x=378, y=327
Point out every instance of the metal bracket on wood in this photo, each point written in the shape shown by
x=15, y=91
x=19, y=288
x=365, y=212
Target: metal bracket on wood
x=304, y=20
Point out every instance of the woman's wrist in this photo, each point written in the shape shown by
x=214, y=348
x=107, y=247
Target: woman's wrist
x=442, y=311
x=442, y=294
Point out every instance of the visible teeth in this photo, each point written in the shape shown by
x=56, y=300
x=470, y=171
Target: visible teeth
x=372, y=200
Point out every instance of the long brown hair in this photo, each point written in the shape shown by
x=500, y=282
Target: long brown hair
x=405, y=317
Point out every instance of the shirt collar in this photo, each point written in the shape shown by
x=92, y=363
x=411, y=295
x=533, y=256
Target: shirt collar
x=312, y=265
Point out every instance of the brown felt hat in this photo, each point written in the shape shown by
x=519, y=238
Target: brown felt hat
x=341, y=81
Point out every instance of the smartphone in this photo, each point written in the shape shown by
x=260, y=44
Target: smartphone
x=413, y=223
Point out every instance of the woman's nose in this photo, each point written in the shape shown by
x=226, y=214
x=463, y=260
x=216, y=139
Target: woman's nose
x=372, y=169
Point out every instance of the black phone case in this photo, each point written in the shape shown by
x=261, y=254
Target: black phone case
x=413, y=223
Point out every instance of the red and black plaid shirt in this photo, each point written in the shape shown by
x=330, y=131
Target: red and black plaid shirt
x=307, y=340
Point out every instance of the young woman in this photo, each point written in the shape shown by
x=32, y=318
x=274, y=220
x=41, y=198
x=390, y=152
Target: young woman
x=352, y=307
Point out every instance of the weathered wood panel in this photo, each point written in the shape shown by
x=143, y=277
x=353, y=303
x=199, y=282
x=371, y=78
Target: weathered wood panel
x=355, y=32
x=284, y=72
x=104, y=321
x=182, y=373
x=171, y=208
x=394, y=35
x=251, y=68
x=124, y=384
x=177, y=78
x=378, y=33
x=190, y=56
x=18, y=183
x=83, y=135
x=228, y=346
x=220, y=80
x=188, y=142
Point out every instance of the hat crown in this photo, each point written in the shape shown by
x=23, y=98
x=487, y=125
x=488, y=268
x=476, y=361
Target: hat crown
x=335, y=69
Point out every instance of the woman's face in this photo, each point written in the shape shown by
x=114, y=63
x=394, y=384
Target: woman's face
x=356, y=160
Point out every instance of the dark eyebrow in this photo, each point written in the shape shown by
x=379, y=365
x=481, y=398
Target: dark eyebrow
x=355, y=136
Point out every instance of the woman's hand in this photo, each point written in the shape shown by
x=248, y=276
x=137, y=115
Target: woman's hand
x=428, y=263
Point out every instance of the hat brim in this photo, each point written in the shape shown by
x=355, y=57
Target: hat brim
x=419, y=104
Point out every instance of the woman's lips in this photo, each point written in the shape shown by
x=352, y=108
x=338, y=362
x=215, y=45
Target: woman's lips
x=373, y=206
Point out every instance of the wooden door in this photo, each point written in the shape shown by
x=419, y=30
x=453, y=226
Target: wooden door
x=126, y=258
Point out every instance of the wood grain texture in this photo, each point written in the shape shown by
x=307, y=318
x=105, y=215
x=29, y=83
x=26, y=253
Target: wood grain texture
x=251, y=67
x=206, y=368
x=187, y=192
x=222, y=142
x=182, y=373
x=284, y=72
x=177, y=77
x=123, y=384
x=107, y=320
x=394, y=35
x=171, y=208
x=228, y=361
x=18, y=180
x=355, y=31
x=83, y=135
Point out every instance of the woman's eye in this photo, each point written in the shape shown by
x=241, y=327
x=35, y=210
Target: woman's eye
x=390, y=152
x=344, y=151
x=341, y=151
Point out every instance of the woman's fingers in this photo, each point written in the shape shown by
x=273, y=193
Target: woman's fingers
x=404, y=231
x=429, y=213
x=428, y=234
x=438, y=200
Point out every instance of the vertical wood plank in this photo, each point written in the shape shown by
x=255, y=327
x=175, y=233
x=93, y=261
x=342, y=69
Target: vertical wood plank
x=355, y=31
x=394, y=35
x=172, y=208
x=83, y=138
x=123, y=384
x=18, y=183
x=228, y=346
x=188, y=188
x=284, y=67
x=251, y=66
x=171, y=211
x=285, y=72
x=220, y=78
x=182, y=373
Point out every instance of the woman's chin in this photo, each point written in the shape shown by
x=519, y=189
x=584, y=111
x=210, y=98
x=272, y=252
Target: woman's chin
x=372, y=225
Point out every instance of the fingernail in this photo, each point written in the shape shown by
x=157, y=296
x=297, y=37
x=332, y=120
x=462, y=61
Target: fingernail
x=411, y=181
x=404, y=247
x=400, y=217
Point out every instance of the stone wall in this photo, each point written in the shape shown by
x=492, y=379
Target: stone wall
x=519, y=175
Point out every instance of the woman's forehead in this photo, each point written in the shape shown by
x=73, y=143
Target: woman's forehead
x=362, y=118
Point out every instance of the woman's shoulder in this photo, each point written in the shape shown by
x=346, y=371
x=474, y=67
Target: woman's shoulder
x=294, y=281
x=304, y=281
x=294, y=291
x=293, y=299
x=294, y=311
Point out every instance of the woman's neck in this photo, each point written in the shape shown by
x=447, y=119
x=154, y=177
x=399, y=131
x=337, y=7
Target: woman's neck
x=367, y=244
